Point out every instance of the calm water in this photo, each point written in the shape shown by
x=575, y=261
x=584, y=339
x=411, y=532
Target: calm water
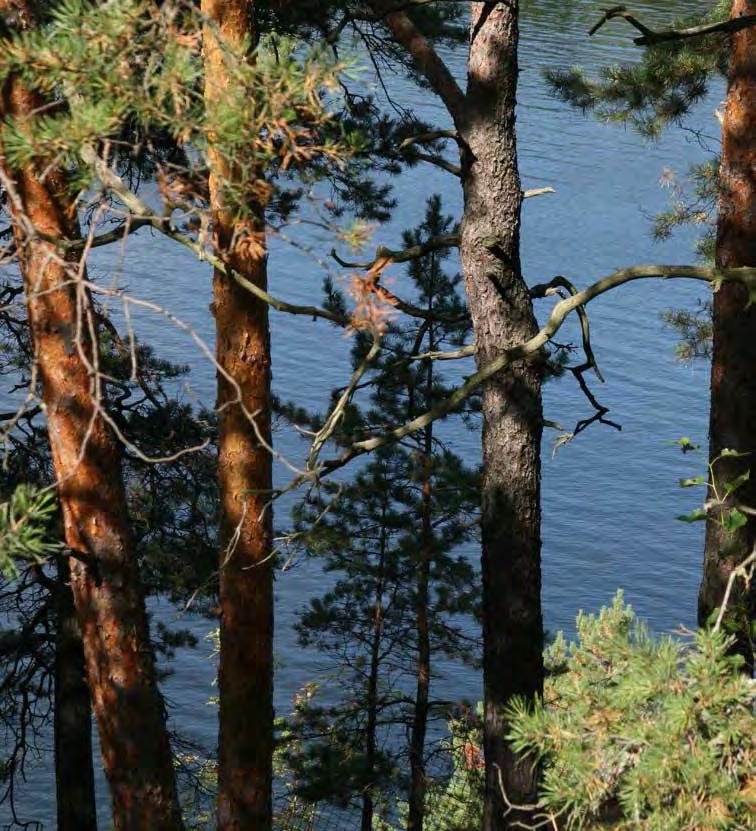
x=609, y=499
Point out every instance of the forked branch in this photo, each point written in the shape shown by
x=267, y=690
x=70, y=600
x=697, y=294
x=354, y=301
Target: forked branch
x=528, y=350
x=651, y=37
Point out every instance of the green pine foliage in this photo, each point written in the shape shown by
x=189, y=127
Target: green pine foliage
x=127, y=72
x=652, y=94
x=367, y=533
x=25, y=533
x=454, y=801
x=639, y=732
x=658, y=90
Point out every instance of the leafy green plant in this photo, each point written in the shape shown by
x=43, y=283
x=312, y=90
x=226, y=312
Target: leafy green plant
x=720, y=503
x=724, y=507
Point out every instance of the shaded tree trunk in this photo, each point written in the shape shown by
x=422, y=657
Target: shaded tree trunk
x=74, y=772
x=502, y=316
x=418, y=785
x=104, y=576
x=368, y=807
x=245, y=677
x=733, y=370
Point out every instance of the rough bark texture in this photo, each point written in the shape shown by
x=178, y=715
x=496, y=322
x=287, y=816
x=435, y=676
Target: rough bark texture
x=104, y=576
x=733, y=370
x=502, y=316
x=245, y=677
x=74, y=772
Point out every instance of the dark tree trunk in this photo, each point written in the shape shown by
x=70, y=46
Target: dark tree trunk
x=104, y=576
x=420, y=716
x=74, y=772
x=371, y=739
x=245, y=676
x=733, y=370
x=418, y=784
x=502, y=316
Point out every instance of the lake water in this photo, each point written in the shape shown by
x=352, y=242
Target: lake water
x=610, y=498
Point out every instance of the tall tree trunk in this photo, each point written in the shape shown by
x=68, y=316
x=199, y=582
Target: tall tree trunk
x=418, y=783
x=74, y=772
x=733, y=370
x=502, y=316
x=245, y=676
x=104, y=575
x=371, y=739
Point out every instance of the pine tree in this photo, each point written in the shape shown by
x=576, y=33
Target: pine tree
x=130, y=76
x=641, y=732
x=389, y=536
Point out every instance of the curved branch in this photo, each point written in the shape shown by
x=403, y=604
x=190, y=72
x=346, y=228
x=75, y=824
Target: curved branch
x=441, y=162
x=524, y=351
x=434, y=135
x=403, y=255
x=650, y=37
x=145, y=216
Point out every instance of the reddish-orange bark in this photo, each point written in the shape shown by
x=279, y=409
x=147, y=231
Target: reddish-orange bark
x=104, y=576
x=733, y=371
x=245, y=475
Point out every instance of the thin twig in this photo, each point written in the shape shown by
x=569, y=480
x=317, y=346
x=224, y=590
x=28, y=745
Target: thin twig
x=744, y=571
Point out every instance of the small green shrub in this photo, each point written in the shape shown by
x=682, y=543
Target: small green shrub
x=642, y=733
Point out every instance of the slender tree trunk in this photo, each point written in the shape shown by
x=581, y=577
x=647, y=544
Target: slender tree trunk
x=422, y=693
x=104, y=576
x=502, y=316
x=420, y=720
x=368, y=807
x=74, y=772
x=245, y=677
x=733, y=369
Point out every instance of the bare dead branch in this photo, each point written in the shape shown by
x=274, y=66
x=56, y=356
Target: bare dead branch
x=530, y=348
x=440, y=161
x=403, y=255
x=339, y=409
x=745, y=571
x=425, y=138
x=556, y=286
x=650, y=37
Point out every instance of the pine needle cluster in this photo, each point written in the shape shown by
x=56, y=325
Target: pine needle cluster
x=639, y=732
x=25, y=529
x=122, y=75
x=656, y=91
